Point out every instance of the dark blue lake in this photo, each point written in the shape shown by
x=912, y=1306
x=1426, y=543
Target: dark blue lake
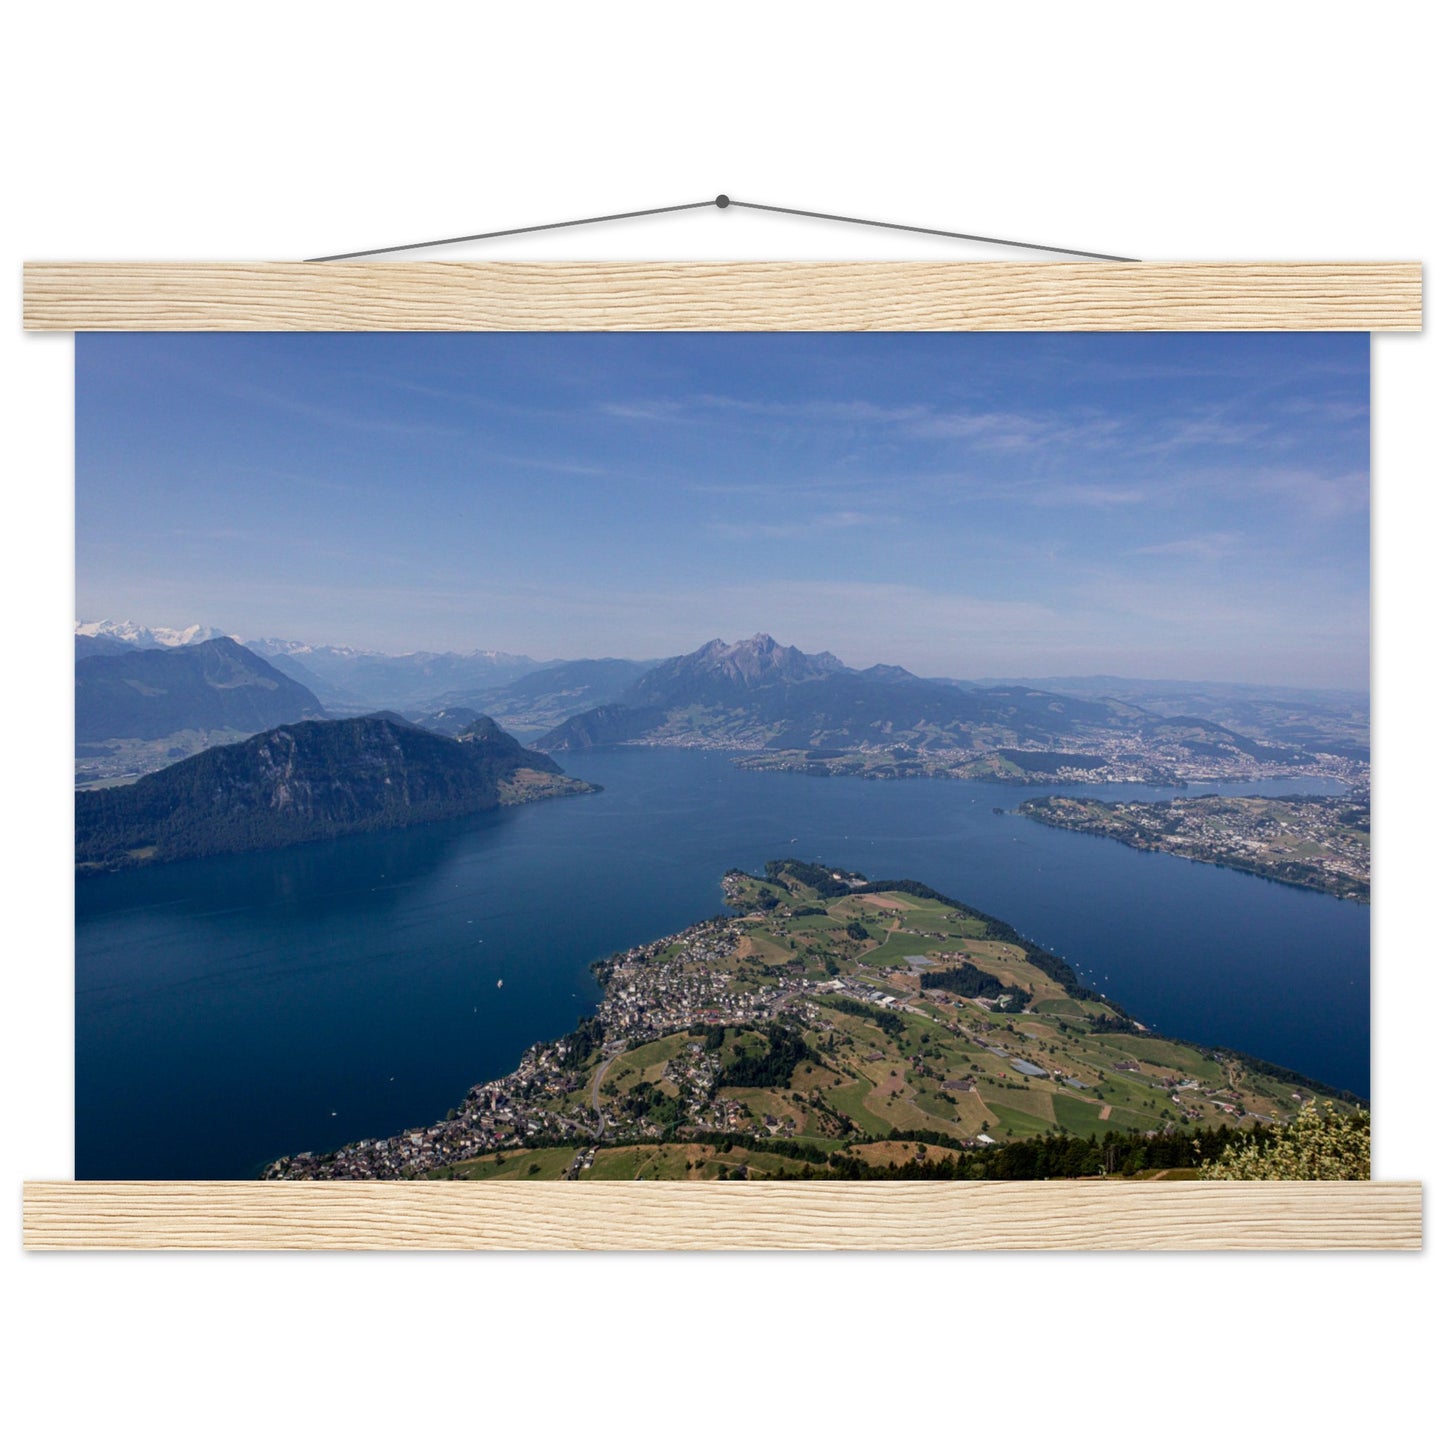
x=231, y=1010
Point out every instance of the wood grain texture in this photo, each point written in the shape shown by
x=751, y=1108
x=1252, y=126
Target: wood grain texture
x=738, y=296
x=1058, y=1215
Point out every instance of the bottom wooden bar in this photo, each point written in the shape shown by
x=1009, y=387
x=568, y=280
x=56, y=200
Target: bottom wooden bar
x=1057, y=1215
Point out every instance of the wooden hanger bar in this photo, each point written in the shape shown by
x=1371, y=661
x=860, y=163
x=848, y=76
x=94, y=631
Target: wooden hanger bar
x=718, y=296
x=849, y=1214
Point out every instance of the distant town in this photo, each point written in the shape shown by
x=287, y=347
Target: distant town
x=1321, y=843
x=1088, y=758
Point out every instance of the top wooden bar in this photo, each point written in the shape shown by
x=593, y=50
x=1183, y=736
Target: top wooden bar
x=731, y=296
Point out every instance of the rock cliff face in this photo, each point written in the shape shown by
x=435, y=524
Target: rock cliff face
x=308, y=781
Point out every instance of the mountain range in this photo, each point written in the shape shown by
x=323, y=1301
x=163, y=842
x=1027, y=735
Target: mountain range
x=111, y=635
x=755, y=694
x=758, y=693
x=152, y=692
x=526, y=695
x=343, y=678
x=348, y=678
x=309, y=781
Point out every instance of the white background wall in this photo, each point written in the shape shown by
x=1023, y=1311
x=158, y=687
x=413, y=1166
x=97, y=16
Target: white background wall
x=279, y=131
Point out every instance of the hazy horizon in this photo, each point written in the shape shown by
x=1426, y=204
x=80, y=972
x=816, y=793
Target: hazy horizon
x=242, y=636
x=1172, y=507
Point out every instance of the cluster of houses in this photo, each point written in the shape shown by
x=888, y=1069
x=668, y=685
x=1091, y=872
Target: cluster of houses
x=661, y=987
x=653, y=990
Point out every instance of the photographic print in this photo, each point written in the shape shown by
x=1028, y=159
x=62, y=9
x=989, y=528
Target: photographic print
x=727, y=756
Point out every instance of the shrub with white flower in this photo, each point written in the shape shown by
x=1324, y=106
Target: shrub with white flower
x=1319, y=1143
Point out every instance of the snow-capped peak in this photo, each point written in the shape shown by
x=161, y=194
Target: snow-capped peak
x=135, y=635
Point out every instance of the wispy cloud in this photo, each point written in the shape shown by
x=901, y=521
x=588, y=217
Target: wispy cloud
x=801, y=527
x=816, y=409
x=1002, y=431
x=1083, y=494
x=1209, y=547
x=368, y=421
x=1325, y=409
x=1013, y=431
x=563, y=466
x=1323, y=495
x=1203, y=431
x=643, y=410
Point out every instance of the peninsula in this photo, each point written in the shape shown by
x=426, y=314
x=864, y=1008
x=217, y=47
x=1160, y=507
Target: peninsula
x=834, y=1026
x=1319, y=843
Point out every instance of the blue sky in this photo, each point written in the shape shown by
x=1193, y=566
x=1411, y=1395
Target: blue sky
x=964, y=505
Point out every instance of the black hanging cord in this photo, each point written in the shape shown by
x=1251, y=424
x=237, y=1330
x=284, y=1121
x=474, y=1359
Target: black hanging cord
x=722, y=203
x=927, y=231
x=513, y=231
